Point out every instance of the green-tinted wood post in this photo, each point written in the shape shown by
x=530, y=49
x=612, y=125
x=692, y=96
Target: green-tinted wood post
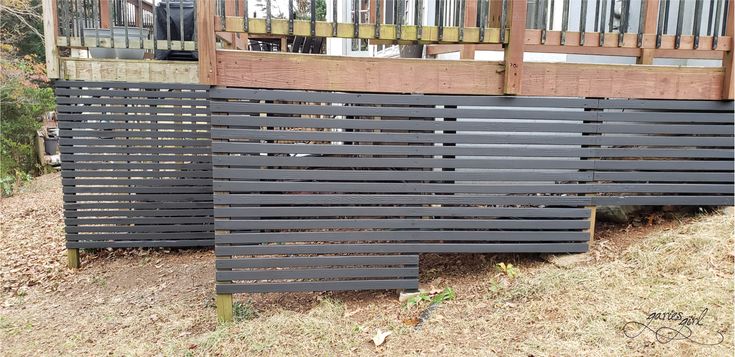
x=224, y=307
x=72, y=256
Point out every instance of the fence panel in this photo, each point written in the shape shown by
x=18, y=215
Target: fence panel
x=136, y=164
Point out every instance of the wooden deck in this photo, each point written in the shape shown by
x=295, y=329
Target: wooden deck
x=223, y=32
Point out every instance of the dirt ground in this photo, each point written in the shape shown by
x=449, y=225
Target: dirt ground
x=161, y=302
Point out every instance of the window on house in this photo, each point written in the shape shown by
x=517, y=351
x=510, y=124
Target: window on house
x=364, y=16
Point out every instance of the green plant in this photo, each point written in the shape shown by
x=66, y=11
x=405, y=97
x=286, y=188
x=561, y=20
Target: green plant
x=508, y=270
x=244, y=311
x=434, y=297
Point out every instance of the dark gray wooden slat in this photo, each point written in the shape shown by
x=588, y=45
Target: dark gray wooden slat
x=389, y=175
x=141, y=142
x=492, y=138
x=423, y=235
x=199, y=151
x=112, y=93
x=652, y=104
x=665, y=117
x=127, y=102
x=517, y=151
x=402, y=223
x=134, y=85
x=556, y=247
x=244, y=121
x=665, y=200
x=136, y=166
x=182, y=212
x=141, y=229
x=71, y=109
x=138, y=182
x=400, y=199
x=138, y=197
x=125, y=189
x=71, y=125
x=316, y=211
x=413, y=112
x=319, y=286
x=664, y=176
x=185, y=121
x=489, y=163
x=207, y=242
x=320, y=261
x=138, y=236
x=331, y=273
x=112, y=134
x=240, y=121
x=138, y=220
x=142, y=206
x=135, y=157
x=255, y=186
x=412, y=99
x=135, y=174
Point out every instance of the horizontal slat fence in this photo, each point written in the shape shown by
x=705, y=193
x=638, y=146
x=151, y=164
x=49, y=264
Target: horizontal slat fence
x=136, y=164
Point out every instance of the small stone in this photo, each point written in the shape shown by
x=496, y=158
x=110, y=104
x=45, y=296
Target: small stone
x=404, y=295
x=567, y=260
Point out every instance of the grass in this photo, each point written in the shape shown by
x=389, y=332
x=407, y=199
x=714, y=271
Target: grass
x=120, y=304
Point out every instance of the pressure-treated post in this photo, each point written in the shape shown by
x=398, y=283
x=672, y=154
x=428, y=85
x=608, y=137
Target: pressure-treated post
x=224, y=307
x=650, y=22
x=72, y=257
x=206, y=42
x=49, y=35
x=514, y=49
x=728, y=61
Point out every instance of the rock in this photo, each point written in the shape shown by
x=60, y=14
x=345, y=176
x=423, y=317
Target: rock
x=619, y=214
x=404, y=295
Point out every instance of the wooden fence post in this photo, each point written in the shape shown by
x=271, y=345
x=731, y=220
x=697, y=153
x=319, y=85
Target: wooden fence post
x=728, y=61
x=650, y=22
x=224, y=307
x=514, y=49
x=72, y=256
x=206, y=42
x=49, y=38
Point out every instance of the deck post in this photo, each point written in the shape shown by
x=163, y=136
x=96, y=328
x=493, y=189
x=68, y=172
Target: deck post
x=49, y=37
x=224, y=307
x=650, y=21
x=728, y=60
x=72, y=256
x=514, y=49
x=593, y=221
x=206, y=40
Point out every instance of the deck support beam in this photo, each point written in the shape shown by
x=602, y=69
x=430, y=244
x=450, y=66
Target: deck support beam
x=49, y=37
x=728, y=92
x=207, y=40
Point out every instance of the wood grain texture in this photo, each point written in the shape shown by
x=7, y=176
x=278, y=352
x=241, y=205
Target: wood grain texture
x=317, y=72
x=728, y=92
x=380, y=75
x=129, y=70
x=49, y=33
x=514, y=49
x=207, y=41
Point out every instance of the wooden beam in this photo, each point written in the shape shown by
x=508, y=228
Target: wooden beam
x=514, y=49
x=650, y=22
x=467, y=52
x=320, y=72
x=206, y=40
x=385, y=75
x=49, y=38
x=622, y=81
x=495, y=9
x=97, y=69
x=729, y=61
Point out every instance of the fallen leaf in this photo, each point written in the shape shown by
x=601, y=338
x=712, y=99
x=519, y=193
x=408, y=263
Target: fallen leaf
x=379, y=337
